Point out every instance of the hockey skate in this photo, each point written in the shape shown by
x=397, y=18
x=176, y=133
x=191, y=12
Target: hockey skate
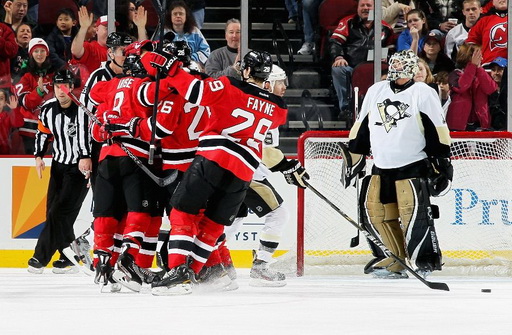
x=34, y=266
x=128, y=273
x=388, y=268
x=150, y=276
x=178, y=281
x=262, y=276
x=81, y=248
x=64, y=266
x=216, y=278
x=103, y=275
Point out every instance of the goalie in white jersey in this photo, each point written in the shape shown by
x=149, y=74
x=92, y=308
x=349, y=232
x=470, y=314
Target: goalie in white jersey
x=402, y=123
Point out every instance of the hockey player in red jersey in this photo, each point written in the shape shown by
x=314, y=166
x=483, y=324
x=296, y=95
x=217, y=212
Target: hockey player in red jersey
x=229, y=152
x=119, y=176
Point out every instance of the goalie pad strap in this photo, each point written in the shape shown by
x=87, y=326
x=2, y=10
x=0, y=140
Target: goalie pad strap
x=417, y=219
x=272, y=157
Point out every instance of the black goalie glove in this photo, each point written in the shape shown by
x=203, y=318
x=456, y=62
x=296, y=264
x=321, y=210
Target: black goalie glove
x=441, y=176
x=351, y=169
x=294, y=173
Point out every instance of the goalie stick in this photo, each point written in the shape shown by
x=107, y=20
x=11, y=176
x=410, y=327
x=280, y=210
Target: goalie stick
x=162, y=182
x=376, y=240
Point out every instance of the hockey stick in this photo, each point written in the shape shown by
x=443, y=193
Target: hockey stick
x=160, y=8
x=162, y=182
x=354, y=242
x=376, y=240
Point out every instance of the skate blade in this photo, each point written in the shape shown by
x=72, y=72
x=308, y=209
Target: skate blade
x=258, y=282
x=385, y=274
x=68, y=270
x=70, y=254
x=36, y=271
x=179, y=289
x=121, y=278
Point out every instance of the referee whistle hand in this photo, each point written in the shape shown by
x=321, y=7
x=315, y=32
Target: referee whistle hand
x=39, y=167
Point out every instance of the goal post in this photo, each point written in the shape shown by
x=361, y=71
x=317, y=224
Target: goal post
x=475, y=224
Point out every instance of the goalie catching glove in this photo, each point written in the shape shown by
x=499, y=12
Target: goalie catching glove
x=352, y=166
x=441, y=176
x=294, y=173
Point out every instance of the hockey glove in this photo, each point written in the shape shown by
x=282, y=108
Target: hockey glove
x=165, y=62
x=294, y=173
x=123, y=126
x=99, y=133
x=441, y=176
x=352, y=166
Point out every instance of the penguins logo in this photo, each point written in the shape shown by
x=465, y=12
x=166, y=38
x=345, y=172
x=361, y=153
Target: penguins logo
x=390, y=112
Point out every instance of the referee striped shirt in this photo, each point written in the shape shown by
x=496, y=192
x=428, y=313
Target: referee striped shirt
x=62, y=124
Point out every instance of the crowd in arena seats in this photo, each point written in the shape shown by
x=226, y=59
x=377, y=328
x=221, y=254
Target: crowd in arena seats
x=39, y=37
x=72, y=34
x=436, y=31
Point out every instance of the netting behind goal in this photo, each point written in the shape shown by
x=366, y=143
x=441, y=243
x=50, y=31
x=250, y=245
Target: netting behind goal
x=474, y=230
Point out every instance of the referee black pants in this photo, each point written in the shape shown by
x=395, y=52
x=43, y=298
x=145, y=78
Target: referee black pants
x=66, y=192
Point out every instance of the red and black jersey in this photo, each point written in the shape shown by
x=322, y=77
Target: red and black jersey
x=94, y=55
x=241, y=115
x=128, y=97
x=490, y=31
x=30, y=101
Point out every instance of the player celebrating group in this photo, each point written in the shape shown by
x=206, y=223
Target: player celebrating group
x=402, y=122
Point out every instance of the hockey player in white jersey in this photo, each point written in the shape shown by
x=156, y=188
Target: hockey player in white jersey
x=402, y=123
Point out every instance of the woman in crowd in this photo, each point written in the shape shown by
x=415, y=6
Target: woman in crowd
x=183, y=25
x=19, y=62
x=414, y=36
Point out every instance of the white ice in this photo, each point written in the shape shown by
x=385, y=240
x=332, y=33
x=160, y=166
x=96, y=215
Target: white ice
x=72, y=304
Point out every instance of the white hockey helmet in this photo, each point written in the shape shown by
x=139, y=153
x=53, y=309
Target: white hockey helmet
x=403, y=64
x=276, y=74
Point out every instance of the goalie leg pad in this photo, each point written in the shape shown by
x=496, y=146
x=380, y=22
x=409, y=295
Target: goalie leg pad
x=384, y=217
x=418, y=222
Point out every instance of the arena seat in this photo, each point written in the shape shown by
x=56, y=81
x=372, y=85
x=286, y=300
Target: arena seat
x=330, y=12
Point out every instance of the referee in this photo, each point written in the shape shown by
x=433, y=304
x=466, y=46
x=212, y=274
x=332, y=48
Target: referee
x=58, y=119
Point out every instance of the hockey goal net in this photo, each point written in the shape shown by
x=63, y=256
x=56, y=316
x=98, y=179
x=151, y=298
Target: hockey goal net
x=475, y=224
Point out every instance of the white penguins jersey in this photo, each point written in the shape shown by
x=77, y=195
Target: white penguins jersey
x=401, y=128
x=271, y=140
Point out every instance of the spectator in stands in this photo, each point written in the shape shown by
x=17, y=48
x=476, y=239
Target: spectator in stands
x=434, y=56
x=10, y=118
x=90, y=54
x=34, y=89
x=441, y=79
x=414, y=36
x=33, y=10
x=225, y=61
x=497, y=100
x=184, y=27
x=60, y=38
x=132, y=19
x=310, y=18
x=471, y=87
x=349, y=45
x=471, y=10
x=441, y=15
x=19, y=61
x=292, y=8
x=15, y=12
x=395, y=12
x=491, y=32
x=8, y=49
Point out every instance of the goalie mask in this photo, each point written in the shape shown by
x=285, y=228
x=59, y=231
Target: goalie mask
x=403, y=65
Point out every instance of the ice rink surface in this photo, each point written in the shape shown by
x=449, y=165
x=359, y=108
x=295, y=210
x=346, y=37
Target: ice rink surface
x=72, y=304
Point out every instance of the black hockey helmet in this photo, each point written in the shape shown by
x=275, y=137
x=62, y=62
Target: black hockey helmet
x=118, y=40
x=132, y=66
x=181, y=50
x=63, y=76
x=260, y=63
